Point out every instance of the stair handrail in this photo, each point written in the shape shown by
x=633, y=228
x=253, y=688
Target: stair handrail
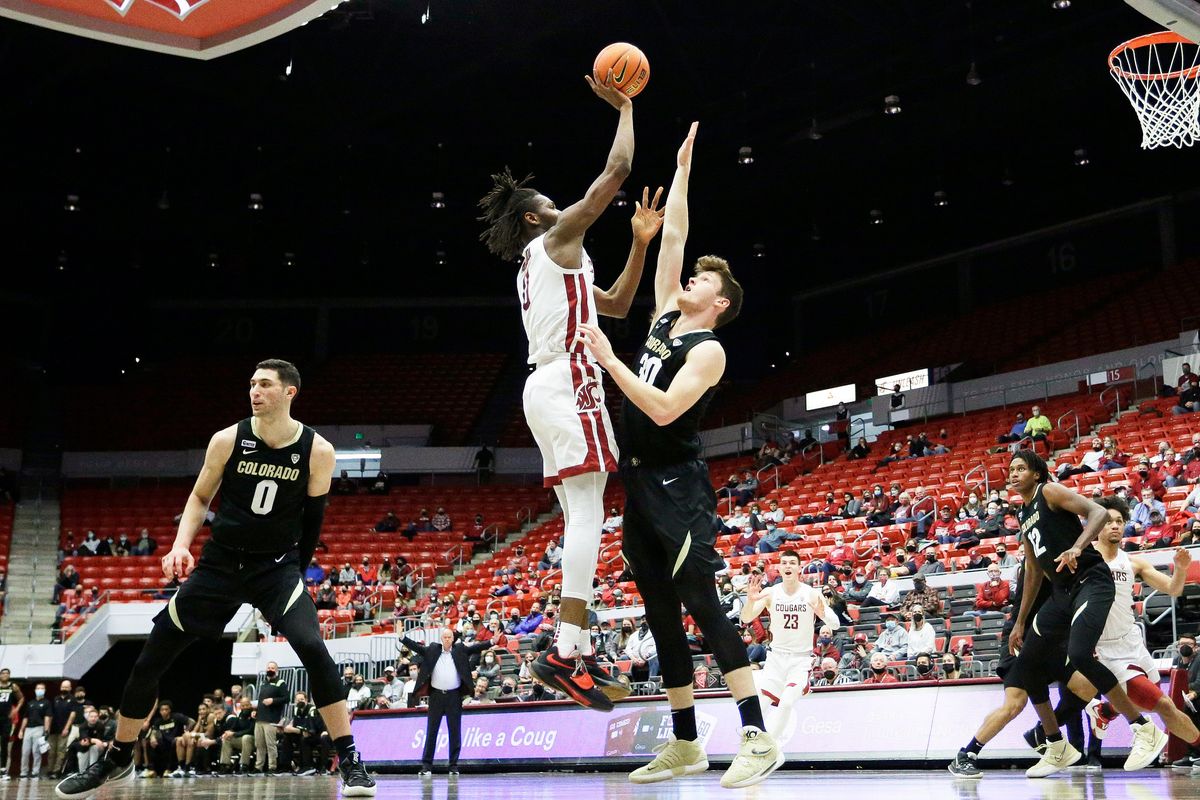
x=1064, y=415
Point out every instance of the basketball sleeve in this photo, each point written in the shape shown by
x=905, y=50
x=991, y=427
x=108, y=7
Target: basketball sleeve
x=310, y=528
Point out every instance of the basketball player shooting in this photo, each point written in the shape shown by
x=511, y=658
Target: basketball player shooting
x=564, y=396
x=670, y=508
x=274, y=475
x=794, y=606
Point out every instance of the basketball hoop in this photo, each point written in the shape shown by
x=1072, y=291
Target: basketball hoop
x=1158, y=73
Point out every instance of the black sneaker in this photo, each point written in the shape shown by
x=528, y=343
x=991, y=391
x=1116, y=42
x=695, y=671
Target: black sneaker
x=83, y=784
x=964, y=766
x=1187, y=762
x=426, y=772
x=1035, y=737
x=355, y=780
x=571, y=677
x=613, y=688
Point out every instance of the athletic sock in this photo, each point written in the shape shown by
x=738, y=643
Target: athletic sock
x=973, y=749
x=121, y=753
x=683, y=723
x=751, y=712
x=586, y=648
x=1054, y=737
x=567, y=640
x=345, y=747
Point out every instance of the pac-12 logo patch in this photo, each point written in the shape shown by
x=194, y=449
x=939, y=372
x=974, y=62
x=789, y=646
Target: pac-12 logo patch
x=587, y=396
x=249, y=443
x=295, y=458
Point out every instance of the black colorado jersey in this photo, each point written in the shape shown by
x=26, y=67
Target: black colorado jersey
x=657, y=363
x=263, y=492
x=10, y=695
x=1050, y=534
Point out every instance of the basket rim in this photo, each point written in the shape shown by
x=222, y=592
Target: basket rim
x=1149, y=40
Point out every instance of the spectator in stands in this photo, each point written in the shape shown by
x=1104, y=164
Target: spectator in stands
x=827, y=674
x=1145, y=477
x=860, y=450
x=1016, y=433
x=825, y=646
x=897, y=398
x=757, y=523
x=68, y=578
x=1189, y=398
x=729, y=489
x=895, y=454
x=965, y=528
x=922, y=637
x=746, y=489
x=879, y=671
x=930, y=564
x=1170, y=469
x=345, y=576
x=367, y=574
x=1090, y=462
x=951, y=667
x=924, y=667
x=641, y=650
x=893, y=641
x=424, y=522
x=992, y=524
x=907, y=512
x=976, y=559
x=441, y=520
x=746, y=544
x=1113, y=457
x=775, y=537
x=390, y=523
x=1157, y=534
x=884, y=592
x=359, y=695
x=991, y=595
x=1038, y=426
x=922, y=596
x=345, y=484
x=552, y=558
x=1003, y=558
x=613, y=521
x=1139, y=519
x=122, y=546
x=528, y=626
x=942, y=530
x=919, y=446
x=90, y=544
x=848, y=508
x=973, y=507
x=489, y=668
x=326, y=598
x=144, y=546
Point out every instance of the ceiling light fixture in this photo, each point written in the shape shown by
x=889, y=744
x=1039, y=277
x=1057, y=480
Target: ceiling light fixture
x=891, y=105
x=745, y=155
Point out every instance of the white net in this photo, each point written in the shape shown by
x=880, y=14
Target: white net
x=1158, y=73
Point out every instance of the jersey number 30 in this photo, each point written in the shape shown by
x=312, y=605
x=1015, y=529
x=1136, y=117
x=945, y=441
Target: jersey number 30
x=264, y=497
x=650, y=365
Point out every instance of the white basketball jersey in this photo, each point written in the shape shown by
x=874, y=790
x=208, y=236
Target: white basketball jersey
x=554, y=302
x=1120, y=616
x=792, y=618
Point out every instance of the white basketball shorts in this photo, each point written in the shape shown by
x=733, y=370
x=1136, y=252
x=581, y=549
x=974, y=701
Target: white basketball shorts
x=564, y=407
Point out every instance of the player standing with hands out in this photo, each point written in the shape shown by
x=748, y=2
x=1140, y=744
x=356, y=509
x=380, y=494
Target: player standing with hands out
x=670, y=511
x=564, y=396
x=794, y=607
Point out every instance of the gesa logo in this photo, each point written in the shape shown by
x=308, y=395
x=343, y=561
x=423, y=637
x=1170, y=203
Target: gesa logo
x=177, y=8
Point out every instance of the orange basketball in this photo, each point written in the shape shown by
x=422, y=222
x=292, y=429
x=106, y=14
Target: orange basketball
x=629, y=65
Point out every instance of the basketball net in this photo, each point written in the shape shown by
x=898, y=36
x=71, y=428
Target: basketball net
x=1158, y=73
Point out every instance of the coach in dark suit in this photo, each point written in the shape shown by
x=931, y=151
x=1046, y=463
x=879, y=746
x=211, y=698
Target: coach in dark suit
x=445, y=676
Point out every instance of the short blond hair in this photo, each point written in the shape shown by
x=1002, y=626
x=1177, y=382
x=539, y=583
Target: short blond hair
x=731, y=290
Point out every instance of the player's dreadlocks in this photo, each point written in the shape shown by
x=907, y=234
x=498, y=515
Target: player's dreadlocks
x=502, y=208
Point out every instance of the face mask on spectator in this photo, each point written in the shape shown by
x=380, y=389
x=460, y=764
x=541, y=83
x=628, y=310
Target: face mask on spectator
x=39, y=693
x=1186, y=650
x=924, y=668
x=830, y=674
x=824, y=639
x=947, y=666
x=271, y=674
x=878, y=670
x=506, y=689
x=918, y=617
x=930, y=558
x=890, y=624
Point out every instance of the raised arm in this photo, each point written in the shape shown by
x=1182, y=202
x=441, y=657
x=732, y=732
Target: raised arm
x=703, y=369
x=675, y=231
x=1173, y=585
x=647, y=219
x=565, y=238
x=179, y=562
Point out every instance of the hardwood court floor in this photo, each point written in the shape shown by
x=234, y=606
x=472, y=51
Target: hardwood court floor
x=787, y=784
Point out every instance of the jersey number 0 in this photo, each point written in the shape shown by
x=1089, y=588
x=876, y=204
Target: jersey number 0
x=264, y=497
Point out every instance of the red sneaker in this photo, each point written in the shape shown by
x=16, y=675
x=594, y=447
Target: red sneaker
x=571, y=677
x=614, y=689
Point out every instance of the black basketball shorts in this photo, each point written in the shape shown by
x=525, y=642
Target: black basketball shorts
x=224, y=579
x=670, y=523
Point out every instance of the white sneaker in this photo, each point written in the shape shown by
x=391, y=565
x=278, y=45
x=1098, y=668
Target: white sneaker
x=178, y=773
x=1058, y=756
x=757, y=757
x=1148, y=742
x=675, y=759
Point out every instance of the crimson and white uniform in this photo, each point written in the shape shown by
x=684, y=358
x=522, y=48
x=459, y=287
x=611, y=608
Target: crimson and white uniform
x=784, y=676
x=1122, y=646
x=564, y=396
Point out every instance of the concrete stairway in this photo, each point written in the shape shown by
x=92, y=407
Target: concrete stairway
x=28, y=613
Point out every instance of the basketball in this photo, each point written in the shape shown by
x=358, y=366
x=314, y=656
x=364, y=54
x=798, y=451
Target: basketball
x=629, y=65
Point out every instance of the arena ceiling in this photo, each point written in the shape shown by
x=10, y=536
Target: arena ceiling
x=132, y=172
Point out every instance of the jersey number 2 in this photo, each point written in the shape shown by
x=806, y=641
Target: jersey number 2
x=1035, y=540
x=264, y=497
x=650, y=365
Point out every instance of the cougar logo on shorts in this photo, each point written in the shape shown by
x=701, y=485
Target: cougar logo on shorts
x=180, y=8
x=587, y=397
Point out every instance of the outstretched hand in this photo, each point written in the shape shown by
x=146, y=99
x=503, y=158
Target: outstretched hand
x=1067, y=559
x=609, y=93
x=647, y=216
x=754, y=591
x=178, y=563
x=684, y=158
x=1183, y=559
x=594, y=340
